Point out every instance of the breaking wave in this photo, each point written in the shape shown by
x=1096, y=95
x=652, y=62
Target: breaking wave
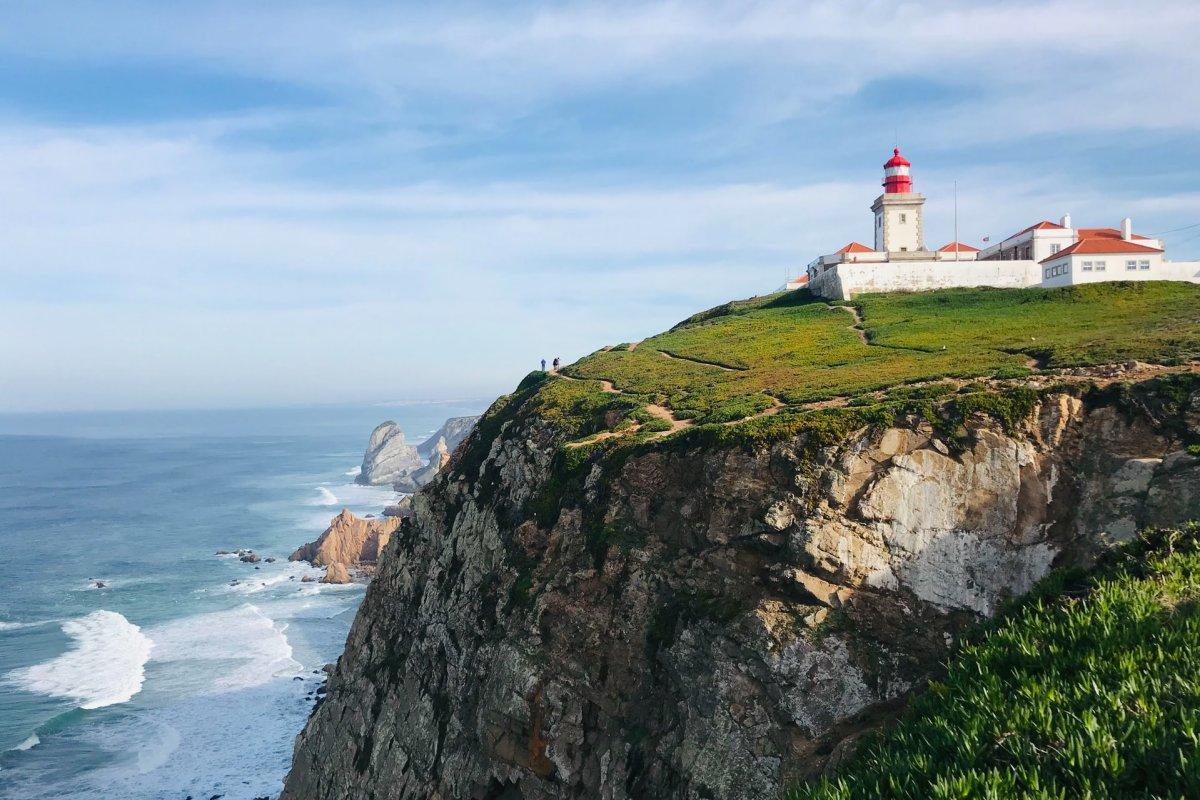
x=105, y=665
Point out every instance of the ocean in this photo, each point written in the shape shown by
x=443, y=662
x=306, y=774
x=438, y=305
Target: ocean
x=171, y=680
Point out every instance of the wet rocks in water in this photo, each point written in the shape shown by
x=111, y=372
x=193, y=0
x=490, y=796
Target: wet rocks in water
x=250, y=558
x=270, y=560
x=336, y=573
x=307, y=579
x=98, y=584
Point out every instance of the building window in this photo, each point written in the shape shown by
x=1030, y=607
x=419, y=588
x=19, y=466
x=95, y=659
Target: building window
x=1131, y=265
x=1054, y=248
x=1143, y=265
x=1100, y=266
x=903, y=218
x=1087, y=266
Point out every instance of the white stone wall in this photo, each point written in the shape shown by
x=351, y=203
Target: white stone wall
x=1115, y=269
x=846, y=280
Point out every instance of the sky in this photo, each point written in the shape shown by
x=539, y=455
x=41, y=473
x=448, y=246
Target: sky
x=230, y=204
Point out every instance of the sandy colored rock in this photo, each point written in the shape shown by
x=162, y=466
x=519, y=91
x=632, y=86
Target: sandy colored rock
x=349, y=540
x=336, y=573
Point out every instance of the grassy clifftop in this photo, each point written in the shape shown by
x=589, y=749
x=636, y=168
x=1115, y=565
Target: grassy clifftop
x=771, y=366
x=801, y=350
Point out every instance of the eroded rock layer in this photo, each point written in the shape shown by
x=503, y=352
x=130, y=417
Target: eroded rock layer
x=699, y=622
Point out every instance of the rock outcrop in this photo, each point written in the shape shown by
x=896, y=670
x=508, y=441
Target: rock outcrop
x=413, y=480
x=387, y=457
x=401, y=508
x=349, y=540
x=336, y=573
x=452, y=433
x=700, y=621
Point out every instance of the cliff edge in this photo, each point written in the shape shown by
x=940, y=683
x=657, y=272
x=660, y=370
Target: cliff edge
x=712, y=585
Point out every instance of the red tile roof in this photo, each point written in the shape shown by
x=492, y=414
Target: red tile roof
x=1103, y=233
x=855, y=247
x=962, y=248
x=1101, y=245
x=1040, y=226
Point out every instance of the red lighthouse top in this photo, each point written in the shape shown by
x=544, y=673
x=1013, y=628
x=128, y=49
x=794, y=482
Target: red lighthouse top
x=896, y=177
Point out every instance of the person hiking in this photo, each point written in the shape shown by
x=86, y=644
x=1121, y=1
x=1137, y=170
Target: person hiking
x=543, y=365
x=556, y=365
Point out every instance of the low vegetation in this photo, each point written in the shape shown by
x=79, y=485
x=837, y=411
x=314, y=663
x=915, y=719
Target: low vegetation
x=1087, y=688
x=742, y=358
x=802, y=350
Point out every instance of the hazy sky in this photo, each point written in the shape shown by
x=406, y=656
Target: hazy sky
x=231, y=203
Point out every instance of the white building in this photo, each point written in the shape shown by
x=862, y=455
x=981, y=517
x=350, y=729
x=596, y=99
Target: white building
x=1044, y=254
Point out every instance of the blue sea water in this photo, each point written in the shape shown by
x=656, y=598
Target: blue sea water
x=187, y=673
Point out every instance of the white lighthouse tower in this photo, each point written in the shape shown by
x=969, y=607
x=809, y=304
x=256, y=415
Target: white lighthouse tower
x=899, y=228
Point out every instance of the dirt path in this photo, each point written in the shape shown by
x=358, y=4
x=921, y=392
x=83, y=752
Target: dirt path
x=675, y=357
x=1101, y=375
x=857, y=327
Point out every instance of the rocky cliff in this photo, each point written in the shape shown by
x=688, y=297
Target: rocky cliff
x=387, y=457
x=715, y=617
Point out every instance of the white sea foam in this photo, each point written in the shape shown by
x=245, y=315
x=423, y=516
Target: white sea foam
x=29, y=743
x=290, y=572
x=105, y=665
x=223, y=650
x=353, y=472
x=327, y=497
x=355, y=495
x=16, y=626
x=237, y=744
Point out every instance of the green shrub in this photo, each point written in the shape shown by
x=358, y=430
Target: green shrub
x=1062, y=696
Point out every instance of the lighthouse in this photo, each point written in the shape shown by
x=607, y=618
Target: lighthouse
x=898, y=212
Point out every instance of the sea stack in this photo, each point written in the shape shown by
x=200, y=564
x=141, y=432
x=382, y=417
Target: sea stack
x=350, y=541
x=388, y=456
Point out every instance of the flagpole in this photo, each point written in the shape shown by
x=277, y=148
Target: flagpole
x=956, y=220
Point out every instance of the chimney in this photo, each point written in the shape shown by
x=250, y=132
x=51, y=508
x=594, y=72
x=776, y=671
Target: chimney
x=1066, y=221
x=1127, y=229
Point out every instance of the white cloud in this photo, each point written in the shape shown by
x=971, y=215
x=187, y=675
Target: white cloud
x=217, y=260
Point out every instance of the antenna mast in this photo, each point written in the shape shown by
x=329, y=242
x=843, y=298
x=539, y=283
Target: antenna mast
x=956, y=220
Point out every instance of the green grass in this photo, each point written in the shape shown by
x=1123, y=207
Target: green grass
x=1087, y=688
x=801, y=350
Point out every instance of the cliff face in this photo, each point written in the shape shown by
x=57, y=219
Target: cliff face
x=710, y=622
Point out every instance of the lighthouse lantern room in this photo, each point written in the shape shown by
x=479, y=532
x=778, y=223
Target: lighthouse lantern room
x=898, y=211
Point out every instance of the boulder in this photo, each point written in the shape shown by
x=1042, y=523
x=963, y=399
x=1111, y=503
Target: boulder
x=388, y=455
x=336, y=573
